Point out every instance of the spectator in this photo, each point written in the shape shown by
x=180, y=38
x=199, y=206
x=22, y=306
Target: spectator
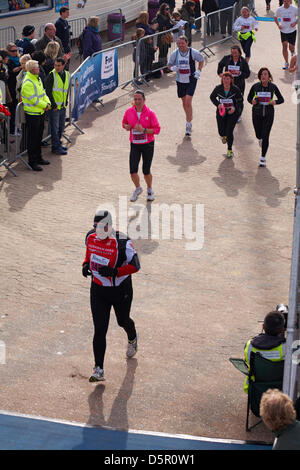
x=146, y=54
x=41, y=58
x=188, y=14
x=63, y=29
x=14, y=67
x=20, y=77
x=270, y=343
x=143, y=22
x=226, y=16
x=4, y=75
x=35, y=102
x=63, y=33
x=170, y=3
x=197, y=14
x=51, y=53
x=279, y=415
x=57, y=89
x=165, y=22
x=25, y=46
x=91, y=38
x=49, y=35
x=210, y=6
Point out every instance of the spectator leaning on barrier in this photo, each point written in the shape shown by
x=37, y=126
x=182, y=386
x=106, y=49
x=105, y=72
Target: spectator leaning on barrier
x=25, y=46
x=36, y=102
x=209, y=6
x=57, y=89
x=279, y=415
x=165, y=22
x=143, y=22
x=188, y=14
x=92, y=41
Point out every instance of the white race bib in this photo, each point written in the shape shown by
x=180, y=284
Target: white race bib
x=97, y=261
x=264, y=97
x=234, y=70
x=139, y=137
x=227, y=102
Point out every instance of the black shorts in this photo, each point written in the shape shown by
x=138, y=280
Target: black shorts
x=289, y=37
x=136, y=152
x=184, y=89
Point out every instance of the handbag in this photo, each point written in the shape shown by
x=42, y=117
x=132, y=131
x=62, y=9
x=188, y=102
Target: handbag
x=167, y=38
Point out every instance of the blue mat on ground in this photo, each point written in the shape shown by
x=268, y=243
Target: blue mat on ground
x=264, y=18
x=26, y=433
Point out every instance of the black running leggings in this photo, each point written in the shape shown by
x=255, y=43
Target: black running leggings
x=102, y=299
x=226, y=125
x=262, y=126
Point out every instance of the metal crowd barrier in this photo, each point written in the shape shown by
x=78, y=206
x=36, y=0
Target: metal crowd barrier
x=4, y=144
x=7, y=34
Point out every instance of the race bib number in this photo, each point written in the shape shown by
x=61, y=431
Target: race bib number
x=234, y=70
x=264, y=97
x=139, y=137
x=287, y=19
x=246, y=26
x=98, y=261
x=228, y=103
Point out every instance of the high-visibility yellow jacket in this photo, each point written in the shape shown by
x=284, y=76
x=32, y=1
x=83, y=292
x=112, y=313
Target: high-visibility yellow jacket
x=60, y=88
x=33, y=95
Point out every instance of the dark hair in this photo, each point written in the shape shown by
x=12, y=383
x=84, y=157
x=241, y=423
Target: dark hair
x=261, y=70
x=3, y=53
x=63, y=10
x=39, y=56
x=162, y=8
x=237, y=48
x=227, y=74
x=61, y=60
x=273, y=323
x=139, y=92
x=103, y=215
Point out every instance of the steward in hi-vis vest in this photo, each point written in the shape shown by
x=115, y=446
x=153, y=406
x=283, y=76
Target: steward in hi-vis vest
x=57, y=88
x=36, y=102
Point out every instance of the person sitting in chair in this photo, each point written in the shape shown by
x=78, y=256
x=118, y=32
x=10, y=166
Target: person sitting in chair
x=270, y=343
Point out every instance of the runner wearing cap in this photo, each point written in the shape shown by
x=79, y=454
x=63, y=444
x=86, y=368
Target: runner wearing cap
x=110, y=260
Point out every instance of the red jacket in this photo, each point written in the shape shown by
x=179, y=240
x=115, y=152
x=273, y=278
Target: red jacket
x=147, y=119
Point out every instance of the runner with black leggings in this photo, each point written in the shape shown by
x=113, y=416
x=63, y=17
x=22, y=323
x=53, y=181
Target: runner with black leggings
x=110, y=259
x=262, y=97
x=228, y=99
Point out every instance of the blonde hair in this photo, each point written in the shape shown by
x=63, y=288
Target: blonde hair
x=52, y=49
x=140, y=32
x=93, y=22
x=143, y=17
x=31, y=64
x=276, y=409
x=25, y=58
x=10, y=46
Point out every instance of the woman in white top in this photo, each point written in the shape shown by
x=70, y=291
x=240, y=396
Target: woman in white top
x=288, y=15
x=245, y=26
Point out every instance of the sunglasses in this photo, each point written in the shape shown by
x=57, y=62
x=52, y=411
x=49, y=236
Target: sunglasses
x=13, y=50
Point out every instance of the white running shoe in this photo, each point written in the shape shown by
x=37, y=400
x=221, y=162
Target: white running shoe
x=262, y=161
x=131, y=348
x=97, y=375
x=188, y=129
x=150, y=194
x=136, y=194
x=286, y=66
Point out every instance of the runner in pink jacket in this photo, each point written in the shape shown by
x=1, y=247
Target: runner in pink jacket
x=142, y=124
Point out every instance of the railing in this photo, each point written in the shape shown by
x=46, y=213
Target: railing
x=7, y=34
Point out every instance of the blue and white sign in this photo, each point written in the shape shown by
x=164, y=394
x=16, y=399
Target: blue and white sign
x=98, y=76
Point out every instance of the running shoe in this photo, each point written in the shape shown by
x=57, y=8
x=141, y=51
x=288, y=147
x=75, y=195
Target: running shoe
x=224, y=139
x=262, y=162
x=132, y=348
x=188, y=129
x=136, y=194
x=229, y=153
x=97, y=375
x=150, y=194
x=286, y=66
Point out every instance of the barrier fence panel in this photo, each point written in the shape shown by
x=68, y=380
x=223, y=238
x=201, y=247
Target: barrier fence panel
x=7, y=34
x=218, y=27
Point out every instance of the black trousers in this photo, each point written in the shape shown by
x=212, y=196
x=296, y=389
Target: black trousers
x=102, y=299
x=35, y=129
x=226, y=21
x=262, y=126
x=226, y=125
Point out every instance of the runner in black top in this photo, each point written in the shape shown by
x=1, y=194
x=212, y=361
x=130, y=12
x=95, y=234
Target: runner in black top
x=262, y=97
x=228, y=99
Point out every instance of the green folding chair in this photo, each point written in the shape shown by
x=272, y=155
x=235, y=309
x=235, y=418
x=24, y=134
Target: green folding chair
x=262, y=375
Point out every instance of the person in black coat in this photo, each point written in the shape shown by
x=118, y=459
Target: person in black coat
x=228, y=100
x=171, y=4
x=209, y=6
x=237, y=66
x=165, y=22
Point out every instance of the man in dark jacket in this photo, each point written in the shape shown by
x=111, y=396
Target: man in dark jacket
x=63, y=29
x=25, y=45
x=226, y=16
